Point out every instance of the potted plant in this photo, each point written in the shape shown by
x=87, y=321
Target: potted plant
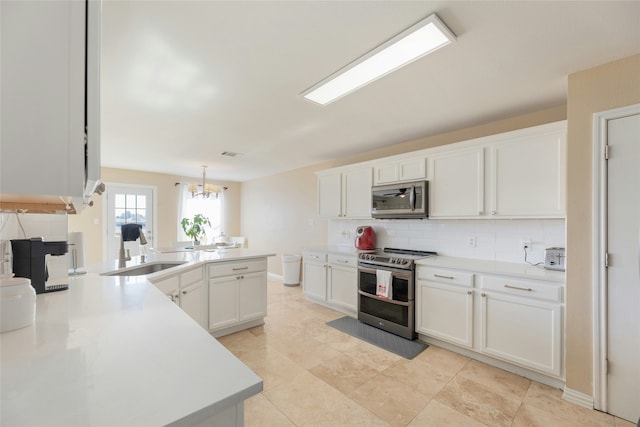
x=194, y=228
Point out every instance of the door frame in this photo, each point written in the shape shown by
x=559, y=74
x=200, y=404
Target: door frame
x=600, y=315
x=105, y=213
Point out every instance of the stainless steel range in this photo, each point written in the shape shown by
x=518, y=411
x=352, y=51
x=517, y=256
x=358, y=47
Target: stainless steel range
x=395, y=311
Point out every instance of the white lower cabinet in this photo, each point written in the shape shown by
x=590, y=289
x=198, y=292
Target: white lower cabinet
x=515, y=320
x=332, y=280
x=188, y=291
x=343, y=282
x=445, y=305
x=237, y=295
x=314, y=282
x=521, y=322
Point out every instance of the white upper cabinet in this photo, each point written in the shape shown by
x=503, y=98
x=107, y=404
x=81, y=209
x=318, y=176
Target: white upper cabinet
x=528, y=175
x=330, y=195
x=405, y=169
x=44, y=105
x=345, y=193
x=520, y=174
x=456, y=187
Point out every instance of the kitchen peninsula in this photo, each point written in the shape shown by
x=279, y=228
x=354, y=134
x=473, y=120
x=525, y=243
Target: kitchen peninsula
x=114, y=350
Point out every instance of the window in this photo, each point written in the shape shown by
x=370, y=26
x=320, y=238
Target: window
x=210, y=208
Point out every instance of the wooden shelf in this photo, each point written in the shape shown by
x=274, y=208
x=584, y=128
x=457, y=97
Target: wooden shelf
x=35, y=204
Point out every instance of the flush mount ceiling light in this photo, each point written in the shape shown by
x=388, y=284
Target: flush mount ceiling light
x=420, y=39
x=207, y=189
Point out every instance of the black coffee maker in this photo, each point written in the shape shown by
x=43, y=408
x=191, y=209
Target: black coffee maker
x=29, y=261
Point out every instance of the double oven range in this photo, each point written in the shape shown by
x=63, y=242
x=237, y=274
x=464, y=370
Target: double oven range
x=395, y=314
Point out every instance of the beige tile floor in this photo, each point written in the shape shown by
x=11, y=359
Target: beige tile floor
x=315, y=375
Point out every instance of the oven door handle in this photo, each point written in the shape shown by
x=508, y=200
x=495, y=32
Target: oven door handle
x=400, y=274
x=391, y=301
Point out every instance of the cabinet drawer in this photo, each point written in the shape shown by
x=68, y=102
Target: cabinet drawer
x=315, y=256
x=450, y=277
x=190, y=277
x=521, y=287
x=168, y=285
x=347, y=261
x=220, y=269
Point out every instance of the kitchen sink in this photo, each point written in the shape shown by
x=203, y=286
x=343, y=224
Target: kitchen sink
x=144, y=269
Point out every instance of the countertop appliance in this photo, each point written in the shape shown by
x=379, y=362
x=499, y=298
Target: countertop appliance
x=29, y=260
x=395, y=313
x=554, y=259
x=365, y=238
x=402, y=200
x=17, y=303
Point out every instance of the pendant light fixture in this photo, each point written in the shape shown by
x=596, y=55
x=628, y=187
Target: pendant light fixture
x=207, y=189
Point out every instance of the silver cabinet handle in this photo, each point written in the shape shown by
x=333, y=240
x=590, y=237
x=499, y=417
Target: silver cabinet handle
x=240, y=268
x=469, y=292
x=518, y=288
x=444, y=277
x=493, y=212
x=343, y=261
x=483, y=295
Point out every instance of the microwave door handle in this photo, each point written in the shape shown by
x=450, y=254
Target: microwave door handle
x=412, y=198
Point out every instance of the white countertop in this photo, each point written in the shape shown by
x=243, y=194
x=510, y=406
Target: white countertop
x=523, y=270
x=114, y=351
x=190, y=258
x=336, y=249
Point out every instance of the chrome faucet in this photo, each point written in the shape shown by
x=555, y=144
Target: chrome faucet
x=122, y=258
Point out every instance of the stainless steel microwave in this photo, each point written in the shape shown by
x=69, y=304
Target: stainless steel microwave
x=402, y=200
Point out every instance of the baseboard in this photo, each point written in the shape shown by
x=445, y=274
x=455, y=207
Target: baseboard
x=578, y=398
x=274, y=276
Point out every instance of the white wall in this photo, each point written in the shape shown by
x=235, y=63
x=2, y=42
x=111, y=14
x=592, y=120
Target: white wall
x=49, y=227
x=495, y=240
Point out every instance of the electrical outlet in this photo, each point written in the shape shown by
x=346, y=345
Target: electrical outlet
x=525, y=243
x=472, y=241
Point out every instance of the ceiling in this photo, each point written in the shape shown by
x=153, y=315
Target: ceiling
x=183, y=81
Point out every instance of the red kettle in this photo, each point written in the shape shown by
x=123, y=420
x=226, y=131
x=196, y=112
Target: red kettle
x=365, y=238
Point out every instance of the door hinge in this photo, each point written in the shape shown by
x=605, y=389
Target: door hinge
x=606, y=152
x=606, y=259
x=606, y=366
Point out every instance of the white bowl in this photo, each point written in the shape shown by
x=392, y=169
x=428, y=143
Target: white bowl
x=17, y=304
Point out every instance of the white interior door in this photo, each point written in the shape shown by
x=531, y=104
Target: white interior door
x=623, y=274
x=128, y=204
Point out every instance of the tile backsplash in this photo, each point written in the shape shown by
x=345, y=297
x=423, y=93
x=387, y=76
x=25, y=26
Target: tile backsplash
x=495, y=240
x=49, y=227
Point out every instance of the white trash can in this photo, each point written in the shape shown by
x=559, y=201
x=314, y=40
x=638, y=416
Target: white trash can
x=291, y=269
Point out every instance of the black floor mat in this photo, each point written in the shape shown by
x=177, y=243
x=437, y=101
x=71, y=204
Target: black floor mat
x=383, y=339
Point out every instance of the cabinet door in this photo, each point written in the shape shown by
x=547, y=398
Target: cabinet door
x=315, y=280
x=252, y=294
x=522, y=331
x=445, y=312
x=170, y=287
x=192, y=299
x=330, y=195
x=343, y=287
x=412, y=168
x=357, y=193
x=43, y=97
x=456, y=187
x=223, y=302
x=386, y=173
x=528, y=176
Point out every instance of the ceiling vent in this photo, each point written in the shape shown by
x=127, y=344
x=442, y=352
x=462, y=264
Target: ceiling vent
x=230, y=154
